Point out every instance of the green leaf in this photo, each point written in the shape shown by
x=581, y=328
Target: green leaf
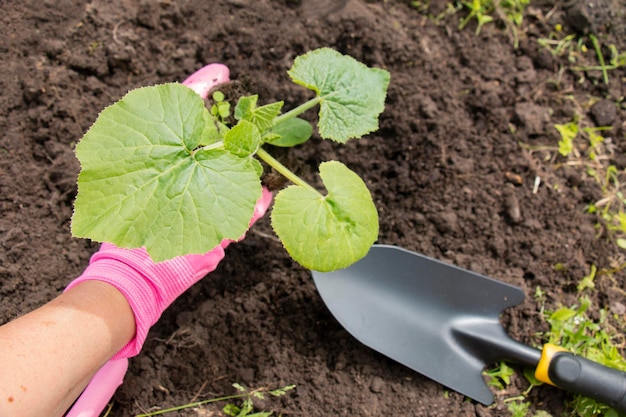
x=231, y=410
x=239, y=387
x=279, y=392
x=290, y=133
x=351, y=94
x=329, y=232
x=568, y=132
x=218, y=96
x=246, y=408
x=144, y=181
x=243, y=140
x=263, y=117
x=563, y=314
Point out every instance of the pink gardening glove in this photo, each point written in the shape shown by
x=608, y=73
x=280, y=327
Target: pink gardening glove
x=149, y=287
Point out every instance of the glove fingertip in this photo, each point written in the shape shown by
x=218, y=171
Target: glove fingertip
x=207, y=77
x=262, y=204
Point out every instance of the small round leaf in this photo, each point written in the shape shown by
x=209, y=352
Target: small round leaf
x=326, y=233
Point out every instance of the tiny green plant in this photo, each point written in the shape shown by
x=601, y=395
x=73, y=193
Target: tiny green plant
x=244, y=409
x=518, y=408
x=598, y=340
x=612, y=207
x=572, y=328
x=586, y=146
x=557, y=43
x=617, y=60
x=159, y=170
x=509, y=12
x=575, y=48
x=568, y=132
x=499, y=376
x=479, y=10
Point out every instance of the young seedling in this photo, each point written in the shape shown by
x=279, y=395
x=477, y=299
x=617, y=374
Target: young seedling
x=245, y=409
x=510, y=12
x=500, y=375
x=159, y=170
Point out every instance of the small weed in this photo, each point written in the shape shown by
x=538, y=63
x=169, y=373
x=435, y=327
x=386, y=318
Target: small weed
x=479, y=10
x=588, y=281
x=617, y=60
x=423, y=6
x=568, y=132
x=509, y=12
x=247, y=406
x=571, y=328
x=612, y=207
x=500, y=376
x=591, y=149
x=518, y=408
x=600, y=341
x=559, y=44
x=244, y=409
x=575, y=48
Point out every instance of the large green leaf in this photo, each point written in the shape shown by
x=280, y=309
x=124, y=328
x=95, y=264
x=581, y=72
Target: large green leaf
x=329, y=232
x=145, y=182
x=352, y=96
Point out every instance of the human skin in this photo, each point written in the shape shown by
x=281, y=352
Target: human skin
x=71, y=337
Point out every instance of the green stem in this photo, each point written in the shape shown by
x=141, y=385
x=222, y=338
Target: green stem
x=297, y=110
x=602, y=68
x=216, y=145
x=283, y=170
x=596, y=46
x=196, y=404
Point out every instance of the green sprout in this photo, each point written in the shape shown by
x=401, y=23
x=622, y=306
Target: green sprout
x=568, y=132
x=220, y=109
x=479, y=10
x=500, y=375
x=161, y=171
x=244, y=409
x=510, y=11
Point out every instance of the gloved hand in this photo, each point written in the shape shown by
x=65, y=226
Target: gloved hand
x=149, y=287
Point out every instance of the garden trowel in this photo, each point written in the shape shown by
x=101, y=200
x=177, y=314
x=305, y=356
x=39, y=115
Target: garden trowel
x=443, y=322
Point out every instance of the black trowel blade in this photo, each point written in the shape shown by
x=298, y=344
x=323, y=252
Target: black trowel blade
x=425, y=314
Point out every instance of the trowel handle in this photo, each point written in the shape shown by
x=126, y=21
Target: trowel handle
x=576, y=374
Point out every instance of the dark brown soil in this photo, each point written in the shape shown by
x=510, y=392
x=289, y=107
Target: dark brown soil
x=449, y=171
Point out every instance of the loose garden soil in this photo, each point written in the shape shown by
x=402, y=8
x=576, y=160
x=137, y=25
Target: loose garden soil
x=452, y=171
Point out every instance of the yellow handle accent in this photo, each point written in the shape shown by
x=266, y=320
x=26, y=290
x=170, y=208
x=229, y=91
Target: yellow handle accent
x=547, y=353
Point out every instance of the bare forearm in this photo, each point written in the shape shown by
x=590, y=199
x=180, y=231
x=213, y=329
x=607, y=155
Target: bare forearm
x=48, y=356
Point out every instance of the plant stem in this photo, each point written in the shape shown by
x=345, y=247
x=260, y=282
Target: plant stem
x=298, y=110
x=283, y=170
x=596, y=46
x=196, y=404
x=215, y=145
